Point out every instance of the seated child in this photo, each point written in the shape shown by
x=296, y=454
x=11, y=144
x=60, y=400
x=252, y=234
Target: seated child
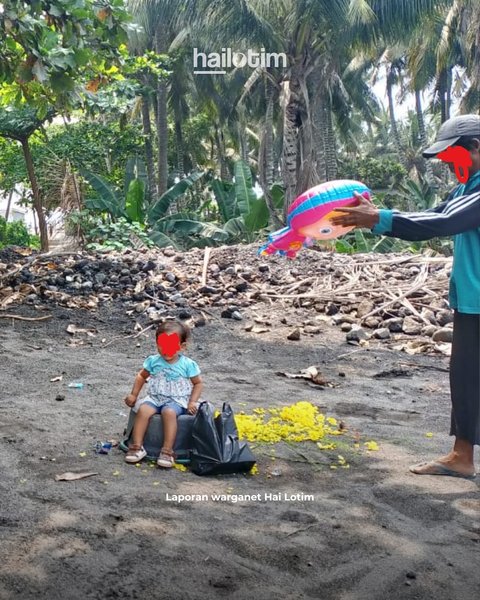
x=174, y=387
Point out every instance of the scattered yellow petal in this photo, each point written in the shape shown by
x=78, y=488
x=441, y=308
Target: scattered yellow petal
x=23, y=481
x=105, y=482
x=333, y=466
x=330, y=446
x=115, y=473
x=179, y=467
x=429, y=434
x=138, y=465
x=372, y=446
x=254, y=470
x=82, y=454
x=156, y=483
x=299, y=422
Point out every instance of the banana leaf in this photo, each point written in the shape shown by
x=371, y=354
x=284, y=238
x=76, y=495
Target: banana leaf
x=108, y=199
x=257, y=217
x=134, y=201
x=161, y=239
x=278, y=196
x=225, y=197
x=160, y=208
x=135, y=169
x=244, y=192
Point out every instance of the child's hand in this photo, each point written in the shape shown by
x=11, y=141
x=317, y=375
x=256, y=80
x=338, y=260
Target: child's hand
x=130, y=400
x=192, y=408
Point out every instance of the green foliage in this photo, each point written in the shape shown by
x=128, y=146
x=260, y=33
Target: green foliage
x=360, y=241
x=117, y=236
x=47, y=47
x=107, y=198
x=417, y=196
x=101, y=148
x=224, y=192
x=129, y=203
x=15, y=234
x=79, y=223
x=160, y=208
x=134, y=201
x=20, y=123
x=373, y=172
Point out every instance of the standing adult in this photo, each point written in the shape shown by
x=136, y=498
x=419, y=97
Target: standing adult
x=458, y=216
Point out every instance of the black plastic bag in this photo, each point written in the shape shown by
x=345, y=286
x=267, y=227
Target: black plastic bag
x=216, y=448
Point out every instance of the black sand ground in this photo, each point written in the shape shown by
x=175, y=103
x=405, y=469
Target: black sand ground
x=373, y=531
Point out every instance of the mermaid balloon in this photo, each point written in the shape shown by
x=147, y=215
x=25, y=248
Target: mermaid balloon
x=309, y=217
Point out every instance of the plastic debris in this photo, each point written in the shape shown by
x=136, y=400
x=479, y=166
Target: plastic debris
x=69, y=476
x=103, y=447
x=76, y=385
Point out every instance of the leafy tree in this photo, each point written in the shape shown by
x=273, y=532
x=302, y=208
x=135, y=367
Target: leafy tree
x=19, y=124
x=50, y=49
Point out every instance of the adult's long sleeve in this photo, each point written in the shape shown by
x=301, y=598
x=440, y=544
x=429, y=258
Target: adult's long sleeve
x=454, y=216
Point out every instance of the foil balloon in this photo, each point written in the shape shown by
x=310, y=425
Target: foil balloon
x=309, y=217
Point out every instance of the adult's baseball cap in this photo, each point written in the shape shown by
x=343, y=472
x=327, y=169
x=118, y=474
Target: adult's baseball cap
x=451, y=131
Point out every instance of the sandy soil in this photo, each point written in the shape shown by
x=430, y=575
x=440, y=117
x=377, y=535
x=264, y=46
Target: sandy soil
x=372, y=531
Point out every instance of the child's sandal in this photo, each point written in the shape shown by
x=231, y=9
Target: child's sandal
x=166, y=458
x=135, y=454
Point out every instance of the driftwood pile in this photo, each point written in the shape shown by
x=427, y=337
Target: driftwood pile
x=386, y=297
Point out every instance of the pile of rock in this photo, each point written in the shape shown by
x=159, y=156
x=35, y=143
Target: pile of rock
x=377, y=296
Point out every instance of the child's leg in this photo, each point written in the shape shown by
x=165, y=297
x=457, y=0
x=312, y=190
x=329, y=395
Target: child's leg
x=169, y=421
x=170, y=413
x=142, y=418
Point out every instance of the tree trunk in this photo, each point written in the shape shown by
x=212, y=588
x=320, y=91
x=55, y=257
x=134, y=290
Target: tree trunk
x=290, y=144
x=330, y=146
x=448, y=103
x=393, y=123
x=319, y=124
x=220, y=143
x=244, y=148
x=423, y=135
x=265, y=160
x=179, y=146
x=147, y=135
x=445, y=93
x=269, y=162
x=162, y=124
x=9, y=203
x=37, y=201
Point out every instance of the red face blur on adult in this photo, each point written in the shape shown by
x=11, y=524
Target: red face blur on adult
x=460, y=159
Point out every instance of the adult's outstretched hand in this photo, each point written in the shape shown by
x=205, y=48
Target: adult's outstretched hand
x=363, y=215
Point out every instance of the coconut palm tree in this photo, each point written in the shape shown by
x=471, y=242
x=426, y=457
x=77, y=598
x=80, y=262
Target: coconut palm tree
x=162, y=22
x=459, y=42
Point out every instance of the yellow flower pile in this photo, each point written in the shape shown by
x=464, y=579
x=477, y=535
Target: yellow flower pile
x=298, y=422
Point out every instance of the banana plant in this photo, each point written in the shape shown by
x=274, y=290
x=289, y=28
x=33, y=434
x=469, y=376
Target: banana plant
x=129, y=203
x=244, y=214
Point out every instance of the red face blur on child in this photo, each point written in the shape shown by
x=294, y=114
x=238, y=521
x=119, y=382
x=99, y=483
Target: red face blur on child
x=168, y=344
